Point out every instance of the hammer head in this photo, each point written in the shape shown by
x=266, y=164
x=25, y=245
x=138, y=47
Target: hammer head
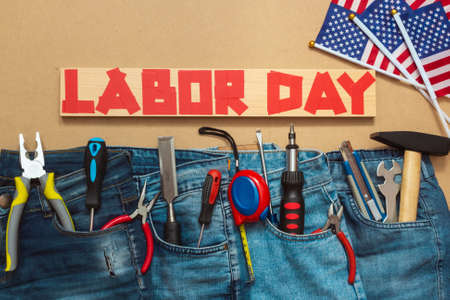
x=414, y=141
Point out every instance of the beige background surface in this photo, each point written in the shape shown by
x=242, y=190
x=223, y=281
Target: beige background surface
x=38, y=37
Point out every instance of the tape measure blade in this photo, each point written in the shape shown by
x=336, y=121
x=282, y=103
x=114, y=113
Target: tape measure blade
x=248, y=258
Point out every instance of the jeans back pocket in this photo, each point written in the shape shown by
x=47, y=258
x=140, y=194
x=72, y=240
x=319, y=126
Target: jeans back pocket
x=186, y=271
x=311, y=265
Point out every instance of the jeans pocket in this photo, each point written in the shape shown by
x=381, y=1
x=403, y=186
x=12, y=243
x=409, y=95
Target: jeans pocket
x=314, y=264
x=398, y=257
x=95, y=264
x=187, y=208
x=185, y=271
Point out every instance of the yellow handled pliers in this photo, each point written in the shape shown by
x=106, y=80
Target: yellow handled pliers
x=32, y=168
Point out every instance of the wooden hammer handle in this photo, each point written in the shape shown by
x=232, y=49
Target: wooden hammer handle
x=409, y=195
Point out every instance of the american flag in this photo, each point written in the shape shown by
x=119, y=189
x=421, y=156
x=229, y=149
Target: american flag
x=377, y=17
x=429, y=31
x=338, y=33
x=357, y=6
x=415, y=4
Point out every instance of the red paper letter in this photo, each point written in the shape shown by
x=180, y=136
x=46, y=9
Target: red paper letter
x=204, y=106
x=162, y=90
x=72, y=104
x=324, y=84
x=356, y=90
x=274, y=103
x=229, y=95
x=117, y=94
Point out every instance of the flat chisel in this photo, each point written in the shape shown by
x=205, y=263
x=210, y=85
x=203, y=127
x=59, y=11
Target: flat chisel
x=169, y=188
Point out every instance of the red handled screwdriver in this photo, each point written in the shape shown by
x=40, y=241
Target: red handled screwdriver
x=292, y=210
x=210, y=190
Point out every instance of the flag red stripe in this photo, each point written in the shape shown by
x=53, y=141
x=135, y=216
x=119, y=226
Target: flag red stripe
x=348, y=4
x=362, y=6
x=335, y=1
x=411, y=68
x=417, y=4
x=372, y=56
x=419, y=79
x=445, y=2
x=396, y=71
x=437, y=63
x=443, y=92
x=440, y=77
x=403, y=56
x=384, y=63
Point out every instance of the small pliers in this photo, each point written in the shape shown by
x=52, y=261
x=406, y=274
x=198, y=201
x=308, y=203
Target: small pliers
x=32, y=169
x=333, y=223
x=142, y=210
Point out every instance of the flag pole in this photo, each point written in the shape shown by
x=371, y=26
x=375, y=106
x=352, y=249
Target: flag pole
x=380, y=46
x=444, y=120
x=413, y=52
x=313, y=44
x=419, y=65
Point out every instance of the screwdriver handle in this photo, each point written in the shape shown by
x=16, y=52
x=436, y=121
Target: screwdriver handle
x=172, y=232
x=292, y=210
x=210, y=190
x=95, y=158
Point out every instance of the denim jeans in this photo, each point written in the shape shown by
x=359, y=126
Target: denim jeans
x=392, y=259
x=401, y=260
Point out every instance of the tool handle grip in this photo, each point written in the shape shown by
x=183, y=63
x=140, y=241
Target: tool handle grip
x=350, y=256
x=292, y=211
x=409, y=194
x=95, y=159
x=56, y=201
x=149, y=255
x=210, y=190
x=117, y=220
x=172, y=232
x=14, y=216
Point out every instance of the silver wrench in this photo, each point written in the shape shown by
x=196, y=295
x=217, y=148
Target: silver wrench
x=389, y=189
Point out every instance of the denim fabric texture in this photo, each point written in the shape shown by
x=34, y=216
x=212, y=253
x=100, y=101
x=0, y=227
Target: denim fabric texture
x=394, y=261
x=56, y=264
x=401, y=260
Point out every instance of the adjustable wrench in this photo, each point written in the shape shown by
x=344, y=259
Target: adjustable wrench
x=389, y=189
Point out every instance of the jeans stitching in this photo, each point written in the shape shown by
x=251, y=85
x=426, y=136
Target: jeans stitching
x=357, y=214
x=304, y=238
x=131, y=245
x=184, y=250
x=227, y=238
x=436, y=245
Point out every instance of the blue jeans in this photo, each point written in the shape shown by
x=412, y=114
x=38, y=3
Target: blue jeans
x=105, y=264
x=401, y=260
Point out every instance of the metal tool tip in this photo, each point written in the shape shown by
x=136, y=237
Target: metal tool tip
x=292, y=127
x=259, y=135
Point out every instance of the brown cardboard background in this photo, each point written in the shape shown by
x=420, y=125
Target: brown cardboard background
x=37, y=37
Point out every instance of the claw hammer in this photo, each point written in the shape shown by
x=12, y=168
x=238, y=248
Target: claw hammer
x=414, y=144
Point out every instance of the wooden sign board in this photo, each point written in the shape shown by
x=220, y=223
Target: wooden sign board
x=217, y=92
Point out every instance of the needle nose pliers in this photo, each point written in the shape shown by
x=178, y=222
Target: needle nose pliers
x=32, y=168
x=142, y=210
x=333, y=223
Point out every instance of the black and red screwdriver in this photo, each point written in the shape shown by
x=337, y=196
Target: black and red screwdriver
x=210, y=190
x=292, y=210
